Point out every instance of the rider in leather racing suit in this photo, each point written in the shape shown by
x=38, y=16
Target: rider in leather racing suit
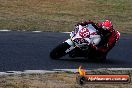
x=109, y=36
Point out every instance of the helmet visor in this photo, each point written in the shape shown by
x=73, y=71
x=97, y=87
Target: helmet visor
x=105, y=28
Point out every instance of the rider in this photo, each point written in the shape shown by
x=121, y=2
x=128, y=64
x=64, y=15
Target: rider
x=109, y=36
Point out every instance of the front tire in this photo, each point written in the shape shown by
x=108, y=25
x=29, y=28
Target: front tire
x=59, y=51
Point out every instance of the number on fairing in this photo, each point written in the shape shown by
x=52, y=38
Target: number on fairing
x=84, y=33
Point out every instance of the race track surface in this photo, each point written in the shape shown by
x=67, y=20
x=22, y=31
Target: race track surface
x=21, y=51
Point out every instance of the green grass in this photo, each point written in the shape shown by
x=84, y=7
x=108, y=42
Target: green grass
x=62, y=15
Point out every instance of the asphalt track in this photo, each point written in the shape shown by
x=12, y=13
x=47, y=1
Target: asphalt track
x=21, y=51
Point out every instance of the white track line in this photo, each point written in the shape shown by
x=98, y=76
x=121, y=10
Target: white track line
x=37, y=31
x=66, y=32
x=61, y=70
x=4, y=30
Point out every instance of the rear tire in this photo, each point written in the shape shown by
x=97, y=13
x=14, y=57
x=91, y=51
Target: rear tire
x=59, y=51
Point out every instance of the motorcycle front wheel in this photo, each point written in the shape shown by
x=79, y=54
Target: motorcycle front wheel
x=59, y=51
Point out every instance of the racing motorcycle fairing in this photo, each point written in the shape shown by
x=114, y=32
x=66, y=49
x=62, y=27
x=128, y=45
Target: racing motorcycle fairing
x=81, y=38
x=84, y=35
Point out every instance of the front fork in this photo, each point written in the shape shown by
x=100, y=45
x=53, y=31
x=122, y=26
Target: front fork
x=74, y=50
x=71, y=43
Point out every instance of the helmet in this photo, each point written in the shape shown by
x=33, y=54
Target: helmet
x=107, y=25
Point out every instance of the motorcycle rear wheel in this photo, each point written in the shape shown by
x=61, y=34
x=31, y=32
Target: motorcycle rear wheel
x=59, y=51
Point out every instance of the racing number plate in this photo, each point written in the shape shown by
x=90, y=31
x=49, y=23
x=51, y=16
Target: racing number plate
x=84, y=33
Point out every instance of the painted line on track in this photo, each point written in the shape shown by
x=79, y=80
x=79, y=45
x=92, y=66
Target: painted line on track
x=4, y=30
x=36, y=31
x=60, y=70
x=66, y=32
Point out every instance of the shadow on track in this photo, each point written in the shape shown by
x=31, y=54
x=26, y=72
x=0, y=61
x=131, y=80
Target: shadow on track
x=109, y=61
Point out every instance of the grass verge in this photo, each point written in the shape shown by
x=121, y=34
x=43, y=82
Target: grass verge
x=56, y=80
x=62, y=15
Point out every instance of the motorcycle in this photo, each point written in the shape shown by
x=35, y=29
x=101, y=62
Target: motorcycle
x=79, y=44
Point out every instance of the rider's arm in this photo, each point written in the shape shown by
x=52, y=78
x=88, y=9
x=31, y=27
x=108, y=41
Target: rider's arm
x=104, y=36
x=109, y=43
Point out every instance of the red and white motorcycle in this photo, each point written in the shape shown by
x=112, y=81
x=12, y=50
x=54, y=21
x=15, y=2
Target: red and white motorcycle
x=79, y=43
